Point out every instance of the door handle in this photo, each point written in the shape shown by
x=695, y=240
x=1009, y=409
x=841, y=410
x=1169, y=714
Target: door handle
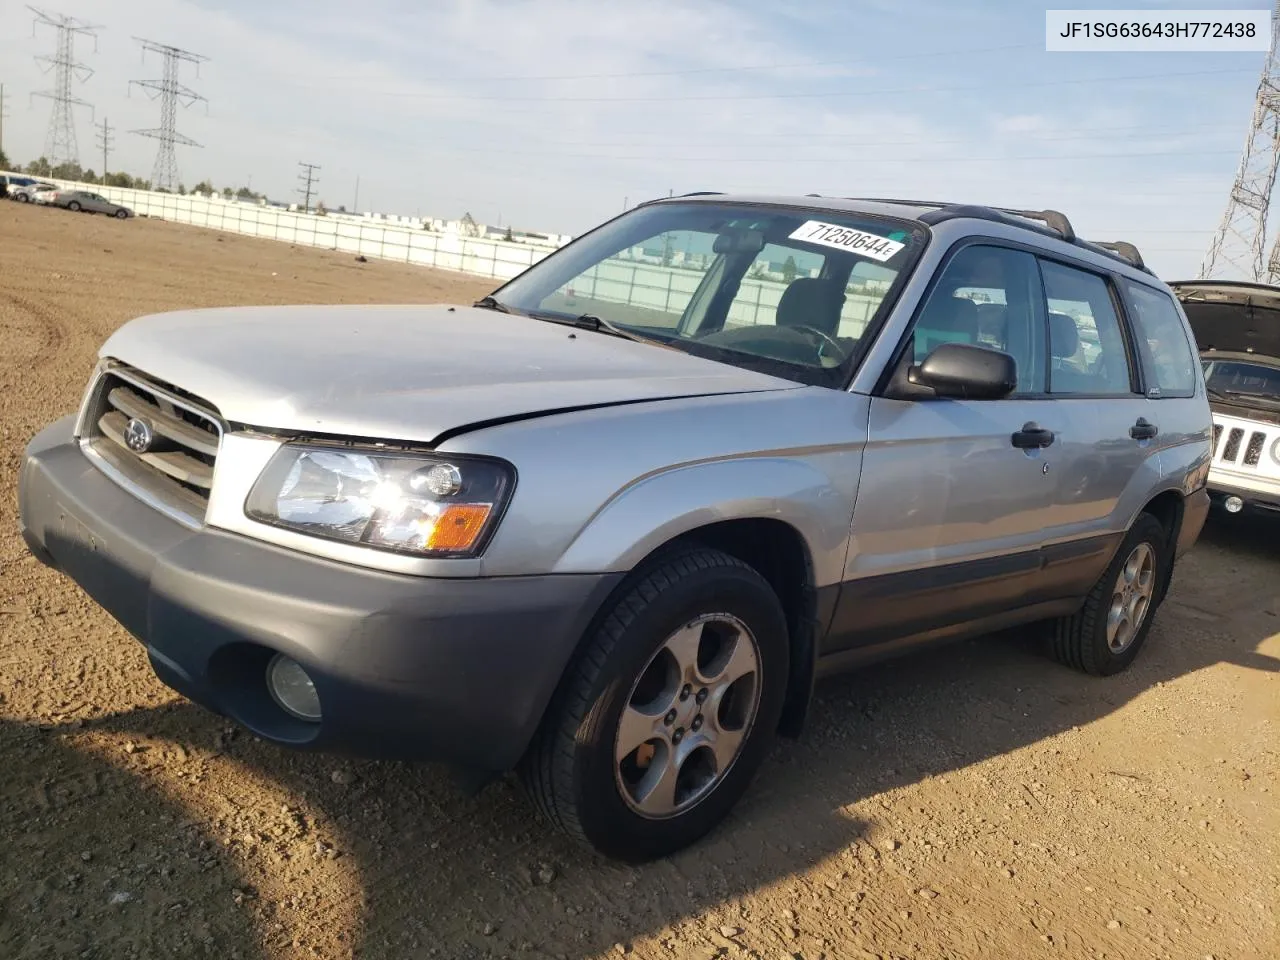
x=1142, y=430
x=1032, y=436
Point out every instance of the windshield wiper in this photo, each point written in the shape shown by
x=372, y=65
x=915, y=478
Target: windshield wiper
x=589, y=321
x=492, y=303
x=1242, y=395
x=601, y=325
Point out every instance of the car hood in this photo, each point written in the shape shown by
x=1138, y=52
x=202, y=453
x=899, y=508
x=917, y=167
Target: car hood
x=412, y=373
x=1232, y=317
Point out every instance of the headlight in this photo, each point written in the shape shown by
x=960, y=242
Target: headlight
x=421, y=505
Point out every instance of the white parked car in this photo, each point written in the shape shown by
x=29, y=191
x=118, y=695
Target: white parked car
x=1237, y=328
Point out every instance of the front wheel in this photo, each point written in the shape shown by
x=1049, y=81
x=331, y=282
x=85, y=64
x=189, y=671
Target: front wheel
x=122, y=214
x=1105, y=636
x=73, y=206
x=667, y=711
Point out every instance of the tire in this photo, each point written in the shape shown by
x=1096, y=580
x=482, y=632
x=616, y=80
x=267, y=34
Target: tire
x=24, y=198
x=1082, y=641
x=122, y=214
x=73, y=206
x=572, y=769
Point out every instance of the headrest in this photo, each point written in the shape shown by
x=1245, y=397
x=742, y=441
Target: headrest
x=951, y=315
x=1064, y=336
x=812, y=302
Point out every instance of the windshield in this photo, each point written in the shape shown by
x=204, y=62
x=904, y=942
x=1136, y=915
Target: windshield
x=1234, y=378
x=784, y=291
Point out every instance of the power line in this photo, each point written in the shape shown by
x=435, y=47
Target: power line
x=309, y=178
x=840, y=160
x=60, y=142
x=1108, y=134
x=628, y=74
x=4, y=115
x=171, y=92
x=104, y=138
x=1003, y=82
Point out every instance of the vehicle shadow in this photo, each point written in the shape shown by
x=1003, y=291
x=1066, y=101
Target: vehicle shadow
x=431, y=871
x=77, y=880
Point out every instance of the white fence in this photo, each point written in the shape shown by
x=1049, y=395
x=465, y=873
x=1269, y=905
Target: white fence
x=648, y=287
x=661, y=292
x=351, y=234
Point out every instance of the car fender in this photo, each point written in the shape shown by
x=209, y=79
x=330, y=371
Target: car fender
x=657, y=509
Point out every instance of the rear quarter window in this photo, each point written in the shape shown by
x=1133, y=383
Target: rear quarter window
x=1166, y=353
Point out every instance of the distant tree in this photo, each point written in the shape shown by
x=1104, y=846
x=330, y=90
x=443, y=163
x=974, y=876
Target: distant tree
x=789, y=269
x=182, y=189
x=204, y=186
x=228, y=192
x=320, y=209
x=120, y=180
x=90, y=176
x=469, y=225
x=4, y=160
x=39, y=168
x=67, y=171
x=342, y=209
x=507, y=236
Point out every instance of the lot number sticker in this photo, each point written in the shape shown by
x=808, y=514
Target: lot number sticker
x=847, y=238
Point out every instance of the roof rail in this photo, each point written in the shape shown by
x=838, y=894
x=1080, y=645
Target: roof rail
x=1125, y=249
x=1057, y=222
x=901, y=202
x=1046, y=221
x=701, y=193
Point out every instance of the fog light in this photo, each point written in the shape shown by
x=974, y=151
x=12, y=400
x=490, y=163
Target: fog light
x=292, y=689
x=1233, y=504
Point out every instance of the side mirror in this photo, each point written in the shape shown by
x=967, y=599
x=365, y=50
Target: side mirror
x=966, y=371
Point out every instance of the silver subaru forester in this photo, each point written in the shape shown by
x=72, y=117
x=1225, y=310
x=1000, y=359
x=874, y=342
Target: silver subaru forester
x=608, y=525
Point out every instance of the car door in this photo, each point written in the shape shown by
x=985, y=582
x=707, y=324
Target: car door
x=955, y=494
x=1110, y=440
x=96, y=204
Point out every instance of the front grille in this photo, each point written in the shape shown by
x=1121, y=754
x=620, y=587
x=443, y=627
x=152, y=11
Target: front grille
x=1254, y=451
x=176, y=467
x=1217, y=435
x=1233, y=445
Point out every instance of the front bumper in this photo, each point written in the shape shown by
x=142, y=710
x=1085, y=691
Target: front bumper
x=1253, y=499
x=458, y=670
x=1258, y=493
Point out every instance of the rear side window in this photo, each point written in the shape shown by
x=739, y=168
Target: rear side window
x=1086, y=345
x=1159, y=328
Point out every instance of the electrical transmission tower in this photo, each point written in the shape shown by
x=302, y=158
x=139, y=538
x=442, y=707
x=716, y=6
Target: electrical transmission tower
x=171, y=92
x=105, y=136
x=60, y=144
x=1241, y=239
x=4, y=115
x=309, y=180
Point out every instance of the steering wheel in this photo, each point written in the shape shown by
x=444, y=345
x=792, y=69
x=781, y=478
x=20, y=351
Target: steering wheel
x=825, y=338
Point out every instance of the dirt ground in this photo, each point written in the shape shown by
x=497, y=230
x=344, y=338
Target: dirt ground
x=973, y=801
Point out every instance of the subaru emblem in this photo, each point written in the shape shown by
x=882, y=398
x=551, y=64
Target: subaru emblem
x=138, y=435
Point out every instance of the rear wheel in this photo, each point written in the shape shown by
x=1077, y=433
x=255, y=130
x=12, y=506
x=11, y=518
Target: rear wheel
x=667, y=711
x=1105, y=636
x=74, y=206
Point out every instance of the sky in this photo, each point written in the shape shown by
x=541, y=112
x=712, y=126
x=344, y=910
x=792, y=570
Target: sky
x=554, y=115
